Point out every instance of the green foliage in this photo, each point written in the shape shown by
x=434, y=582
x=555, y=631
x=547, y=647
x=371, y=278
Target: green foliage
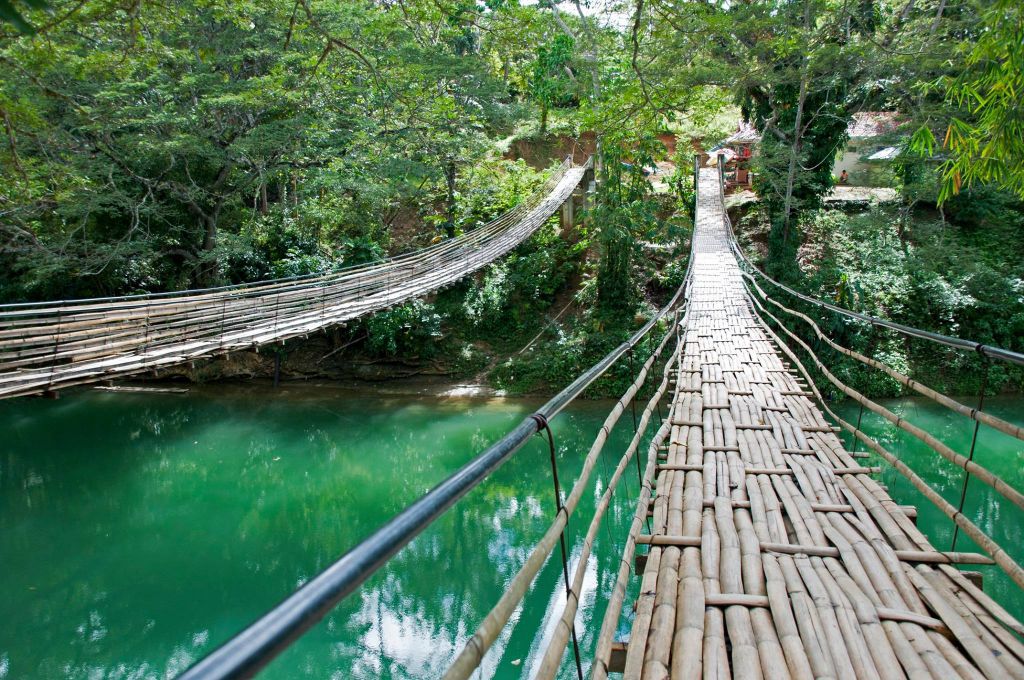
x=625, y=214
x=951, y=277
x=985, y=135
x=555, y=363
x=410, y=330
x=508, y=300
x=552, y=83
x=195, y=140
x=492, y=188
x=9, y=13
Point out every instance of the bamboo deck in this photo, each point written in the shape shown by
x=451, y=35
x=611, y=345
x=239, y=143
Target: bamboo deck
x=773, y=553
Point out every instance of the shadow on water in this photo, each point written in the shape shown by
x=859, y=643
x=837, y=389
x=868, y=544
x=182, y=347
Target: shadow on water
x=138, y=531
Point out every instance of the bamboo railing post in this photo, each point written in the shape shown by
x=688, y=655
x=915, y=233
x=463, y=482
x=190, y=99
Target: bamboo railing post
x=323, y=303
x=974, y=441
x=860, y=412
x=632, y=401
x=223, y=315
x=56, y=347
x=277, y=311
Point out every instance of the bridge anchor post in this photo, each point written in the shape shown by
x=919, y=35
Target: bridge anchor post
x=567, y=216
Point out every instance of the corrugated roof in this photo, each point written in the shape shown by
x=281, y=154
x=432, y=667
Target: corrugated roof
x=862, y=125
x=886, y=154
x=746, y=134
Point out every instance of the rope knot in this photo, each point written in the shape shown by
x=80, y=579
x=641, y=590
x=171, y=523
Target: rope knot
x=541, y=420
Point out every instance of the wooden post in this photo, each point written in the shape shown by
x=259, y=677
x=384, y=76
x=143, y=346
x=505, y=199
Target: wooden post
x=567, y=217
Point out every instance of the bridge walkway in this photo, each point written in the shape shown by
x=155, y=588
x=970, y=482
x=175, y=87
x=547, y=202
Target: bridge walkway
x=773, y=552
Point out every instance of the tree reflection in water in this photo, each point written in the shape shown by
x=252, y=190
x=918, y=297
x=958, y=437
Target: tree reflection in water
x=137, y=532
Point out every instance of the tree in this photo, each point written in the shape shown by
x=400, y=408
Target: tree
x=552, y=81
x=154, y=147
x=985, y=135
x=624, y=214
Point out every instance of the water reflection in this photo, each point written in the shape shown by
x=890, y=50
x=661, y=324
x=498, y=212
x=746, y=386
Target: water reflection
x=139, y=531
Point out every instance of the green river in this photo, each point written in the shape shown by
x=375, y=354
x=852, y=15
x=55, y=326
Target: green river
x=138, y=531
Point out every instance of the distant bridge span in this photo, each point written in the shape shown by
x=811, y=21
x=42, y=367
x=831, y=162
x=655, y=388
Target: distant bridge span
x=53, y=345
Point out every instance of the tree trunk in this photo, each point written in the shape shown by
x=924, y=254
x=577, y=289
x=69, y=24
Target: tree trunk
x=450, y=176
x=797, y=134
x=208, y=265
x=264, y=206
x=793, y=156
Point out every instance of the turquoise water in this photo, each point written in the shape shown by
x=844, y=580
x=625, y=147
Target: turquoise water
x=138, y=531
x=1002, y=454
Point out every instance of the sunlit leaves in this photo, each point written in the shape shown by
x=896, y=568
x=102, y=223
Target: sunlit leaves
x=10, y=13
x=984, y=139
x=148, y=130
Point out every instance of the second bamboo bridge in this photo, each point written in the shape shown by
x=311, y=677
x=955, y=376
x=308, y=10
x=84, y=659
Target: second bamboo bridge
x=45, y=347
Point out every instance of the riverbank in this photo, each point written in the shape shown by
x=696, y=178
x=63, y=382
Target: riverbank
x=956, y=273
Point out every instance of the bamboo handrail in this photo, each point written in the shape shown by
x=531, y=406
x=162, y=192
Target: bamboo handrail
x=476, y=647
x=991, y=351
x=1001, y=557
x=964, y=463
x=605, y=637
x=30, y=308
x=560, y=636
x=936, y=396
x=487, y=632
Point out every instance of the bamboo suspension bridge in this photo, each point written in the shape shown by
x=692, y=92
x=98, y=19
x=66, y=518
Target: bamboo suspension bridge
x=761, y=546
x=46, y=347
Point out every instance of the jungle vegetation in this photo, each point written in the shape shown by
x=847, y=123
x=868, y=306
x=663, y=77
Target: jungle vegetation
x=160, y=146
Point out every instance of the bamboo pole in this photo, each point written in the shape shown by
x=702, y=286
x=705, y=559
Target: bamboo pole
x=560, y=637
x=487, y=632
x=1012, y=569
x=936, y=396
x=982, y=473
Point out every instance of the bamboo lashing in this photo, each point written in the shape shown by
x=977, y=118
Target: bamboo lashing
x=925, y=556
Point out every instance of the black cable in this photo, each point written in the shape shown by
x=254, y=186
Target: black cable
x=542, y=426
x=974, y=441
